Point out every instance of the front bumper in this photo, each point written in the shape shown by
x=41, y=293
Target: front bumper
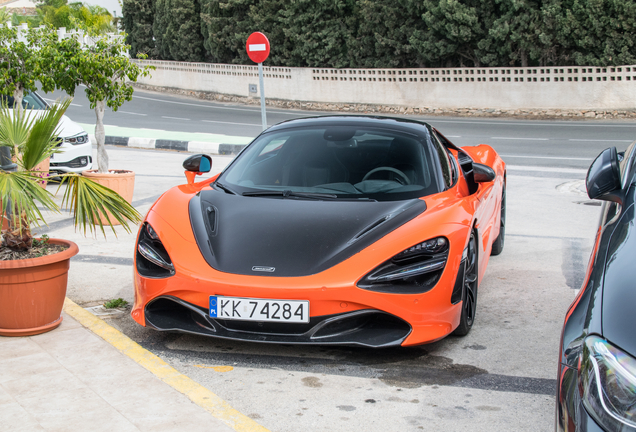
x=77, y=165
x=72, y=158
x=367, y=327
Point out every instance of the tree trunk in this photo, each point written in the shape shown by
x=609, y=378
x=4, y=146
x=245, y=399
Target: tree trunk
x=18, y=95
x=100, y=137
x=524, y=58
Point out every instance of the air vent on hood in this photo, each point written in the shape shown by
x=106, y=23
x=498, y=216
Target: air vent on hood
x=368, y=229
x=211, y=218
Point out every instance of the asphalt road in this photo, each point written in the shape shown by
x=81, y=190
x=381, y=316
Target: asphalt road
x=525, y=143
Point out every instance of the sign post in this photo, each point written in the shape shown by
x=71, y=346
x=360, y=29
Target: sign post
x=257, y=47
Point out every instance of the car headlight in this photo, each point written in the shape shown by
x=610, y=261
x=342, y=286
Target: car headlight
x=608, y=384
x=413, y=271
x=77, y=139
x=153, y=260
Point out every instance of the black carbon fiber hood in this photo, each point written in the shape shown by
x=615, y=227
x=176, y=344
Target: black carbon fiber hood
x=289, y=237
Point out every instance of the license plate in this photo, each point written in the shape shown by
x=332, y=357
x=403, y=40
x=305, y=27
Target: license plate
x=253, y=309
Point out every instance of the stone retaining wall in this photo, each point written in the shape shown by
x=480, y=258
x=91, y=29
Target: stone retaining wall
x=534, y=91
x=402, y=110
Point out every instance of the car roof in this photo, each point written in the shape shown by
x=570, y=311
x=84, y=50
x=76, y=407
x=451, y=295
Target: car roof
x=405, y=125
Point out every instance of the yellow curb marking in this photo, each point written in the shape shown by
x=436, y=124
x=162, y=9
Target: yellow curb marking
x=183, y=384
x=216, y=368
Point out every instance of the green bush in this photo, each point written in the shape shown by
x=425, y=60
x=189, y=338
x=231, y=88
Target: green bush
x=377, y=33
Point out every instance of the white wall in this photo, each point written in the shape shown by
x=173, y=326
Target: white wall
x=498, y=88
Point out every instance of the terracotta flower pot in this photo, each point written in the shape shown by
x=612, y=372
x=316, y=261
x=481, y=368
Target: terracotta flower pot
x=32, y=292
x=121, y=181
x=43, y=166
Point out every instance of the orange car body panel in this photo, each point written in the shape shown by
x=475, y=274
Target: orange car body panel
x=451, y=213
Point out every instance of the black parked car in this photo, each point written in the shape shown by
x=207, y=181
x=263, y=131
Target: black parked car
x=596, y=388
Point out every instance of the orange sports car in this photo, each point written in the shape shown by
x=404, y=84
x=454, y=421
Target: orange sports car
x=344, y=230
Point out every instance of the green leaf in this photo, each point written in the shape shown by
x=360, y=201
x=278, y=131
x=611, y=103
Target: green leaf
x=20, y=192
x=88, y=201
x=41, y=141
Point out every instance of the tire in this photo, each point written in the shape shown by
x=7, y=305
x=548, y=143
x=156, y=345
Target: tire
x=469, y=289
x=498, y=244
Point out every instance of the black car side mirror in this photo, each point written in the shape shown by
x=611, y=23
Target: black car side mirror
x=483, y=173
x=603, y=180
x=198, y=163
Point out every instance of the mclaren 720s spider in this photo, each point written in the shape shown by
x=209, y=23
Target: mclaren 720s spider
x=342, y=230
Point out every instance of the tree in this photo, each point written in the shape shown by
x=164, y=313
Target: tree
x=106, y=71
x=138, y=16
x=159, y=25
x=384, y=32
x=591, y=32
x=4, y=15
x=58, y=13
x=320, y=32
x=177, y=30
x=514, y=36
x=454, y=29
x=226, y=24
x=25, y=59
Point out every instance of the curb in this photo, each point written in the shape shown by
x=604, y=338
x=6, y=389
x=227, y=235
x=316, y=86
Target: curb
x=187, y=146
x=162, y=370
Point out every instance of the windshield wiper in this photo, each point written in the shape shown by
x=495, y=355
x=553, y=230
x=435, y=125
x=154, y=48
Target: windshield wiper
x=224, y=188
x=288, y=193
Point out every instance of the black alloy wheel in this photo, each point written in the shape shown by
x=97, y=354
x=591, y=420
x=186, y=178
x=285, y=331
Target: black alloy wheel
x=498, y=244
x=469, y=295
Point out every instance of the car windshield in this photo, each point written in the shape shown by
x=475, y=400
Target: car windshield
x=29, y=101
x=339, y=162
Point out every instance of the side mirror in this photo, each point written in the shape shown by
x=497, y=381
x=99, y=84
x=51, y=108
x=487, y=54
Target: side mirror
x=483, y=173
x=603, y=180
x=198, y=163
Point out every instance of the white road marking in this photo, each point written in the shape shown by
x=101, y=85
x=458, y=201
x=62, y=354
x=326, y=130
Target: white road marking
x=546, y=157
x=257, y=110
x=175, y=118
x=453, y=136
x=529, y=123
x=132, y=113
x=547, y=169
x=522, y=139
x=592, y=140
x=54, y=100
x=223, y=122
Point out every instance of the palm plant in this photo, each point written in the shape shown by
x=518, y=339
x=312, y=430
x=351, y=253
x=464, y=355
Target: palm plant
x=33, y=138
x=4, y=15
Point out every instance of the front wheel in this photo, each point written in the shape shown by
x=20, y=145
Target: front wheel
x=469, y=293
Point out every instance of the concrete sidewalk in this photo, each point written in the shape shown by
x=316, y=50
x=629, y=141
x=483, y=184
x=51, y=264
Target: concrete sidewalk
x=86, y=376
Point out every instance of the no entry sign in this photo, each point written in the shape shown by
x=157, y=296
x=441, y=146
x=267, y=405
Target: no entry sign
x=257, y=47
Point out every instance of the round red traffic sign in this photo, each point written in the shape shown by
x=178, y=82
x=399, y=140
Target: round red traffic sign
x=257, y=47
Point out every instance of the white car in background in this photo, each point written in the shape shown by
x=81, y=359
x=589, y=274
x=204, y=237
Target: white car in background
x=76, y=150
